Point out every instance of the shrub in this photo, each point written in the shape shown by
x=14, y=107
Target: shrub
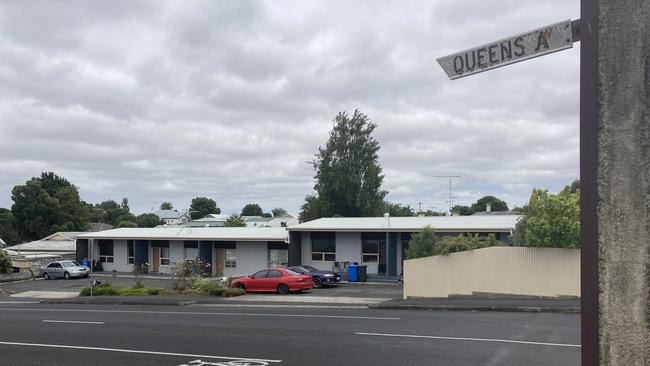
x=5, y=262
x=196, y=283
x=211, y=288
x=232, y=292
x=103, y=290
x=460, y=243
x=422, y=244
x=108, y=290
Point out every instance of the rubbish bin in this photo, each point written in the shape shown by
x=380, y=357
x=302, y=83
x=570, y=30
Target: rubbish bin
x=363, y=273
x=353, y=273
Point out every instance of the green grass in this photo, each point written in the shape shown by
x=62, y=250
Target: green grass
x=119, y=290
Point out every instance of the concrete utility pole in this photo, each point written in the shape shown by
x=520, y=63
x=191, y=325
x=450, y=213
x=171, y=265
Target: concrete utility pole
x=615, y=179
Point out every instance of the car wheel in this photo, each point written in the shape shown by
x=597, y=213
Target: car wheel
x=46, y=276
x=317, y=282
x=66, y=276
x=283, y=289
x=241, y=286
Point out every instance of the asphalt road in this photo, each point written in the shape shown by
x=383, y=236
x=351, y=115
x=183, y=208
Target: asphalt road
x=42, y=334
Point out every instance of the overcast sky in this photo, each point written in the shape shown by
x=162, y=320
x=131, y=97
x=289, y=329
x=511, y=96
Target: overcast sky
x=168, y=100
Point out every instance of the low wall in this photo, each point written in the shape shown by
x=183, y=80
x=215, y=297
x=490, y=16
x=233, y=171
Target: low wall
x=499, y=270
x=17, y=276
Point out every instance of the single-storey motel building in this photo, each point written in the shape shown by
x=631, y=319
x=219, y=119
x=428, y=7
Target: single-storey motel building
x=380, y=243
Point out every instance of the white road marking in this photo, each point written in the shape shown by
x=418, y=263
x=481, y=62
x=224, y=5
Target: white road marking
x=207, y=313
x=19, y=302
x=281, y=306
x=122, y=350
x=70, y=321
x=47, y=294
x=470, y=339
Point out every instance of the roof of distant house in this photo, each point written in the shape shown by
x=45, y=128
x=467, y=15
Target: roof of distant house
x=194, y=233
x=62, y=241
x=170, y=214
x=396, y=224
x=495, y=213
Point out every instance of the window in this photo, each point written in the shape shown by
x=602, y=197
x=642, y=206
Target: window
x=323, y=247
x=278, y=258
x=191, y=249
x=106, y=251
x=231, y=258
x=164, y=256
x=274, y=273
x=261, y=274
x=371, y=243
x=130, y=256
x=54, y=265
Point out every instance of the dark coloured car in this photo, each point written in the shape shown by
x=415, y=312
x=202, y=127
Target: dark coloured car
x=320, y=278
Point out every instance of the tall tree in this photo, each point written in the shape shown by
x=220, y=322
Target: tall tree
x=235, y=221
x=348, y=175
x=495, y=204
x=252, y=209
x=203, y=206
x=8, y=231
x=166, y=206
x=113, y=212
x=47, y=204
x=554, y=221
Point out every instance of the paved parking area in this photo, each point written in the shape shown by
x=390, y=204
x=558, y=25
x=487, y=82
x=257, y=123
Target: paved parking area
x=341, y=293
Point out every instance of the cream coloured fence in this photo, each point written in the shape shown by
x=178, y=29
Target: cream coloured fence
x=499, y=270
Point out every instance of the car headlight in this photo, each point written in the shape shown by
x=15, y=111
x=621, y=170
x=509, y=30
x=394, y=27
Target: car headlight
x=328, y=275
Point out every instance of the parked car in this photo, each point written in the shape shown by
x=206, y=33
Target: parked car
x=320, y=278
x=64, y=269
x=280, y=280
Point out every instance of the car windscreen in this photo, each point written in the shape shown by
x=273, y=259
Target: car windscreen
x=292, y=273
x=310, y=268
x=70, y=264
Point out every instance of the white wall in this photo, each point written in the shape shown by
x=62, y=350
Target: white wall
x=252, y=256
x=305, y=250
x=348, y=248
x=500, y=270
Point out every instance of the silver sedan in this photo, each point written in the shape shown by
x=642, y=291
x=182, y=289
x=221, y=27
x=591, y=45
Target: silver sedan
x=64, y=269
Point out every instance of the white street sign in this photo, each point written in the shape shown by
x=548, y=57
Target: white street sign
x=538, y=42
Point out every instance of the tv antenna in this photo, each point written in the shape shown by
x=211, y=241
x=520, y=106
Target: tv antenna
x=450, y=177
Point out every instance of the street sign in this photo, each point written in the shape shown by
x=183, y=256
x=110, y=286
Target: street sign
x=538, y=42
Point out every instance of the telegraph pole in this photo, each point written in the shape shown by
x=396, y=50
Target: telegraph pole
x=451, y=198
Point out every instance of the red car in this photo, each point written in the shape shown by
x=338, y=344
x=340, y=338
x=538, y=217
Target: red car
x=280, y=280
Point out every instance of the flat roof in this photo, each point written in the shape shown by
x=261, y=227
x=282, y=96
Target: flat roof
x=195, y=233
x=504, y=223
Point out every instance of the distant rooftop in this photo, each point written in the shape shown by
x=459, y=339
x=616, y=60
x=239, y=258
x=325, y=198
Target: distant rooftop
x=439, y=223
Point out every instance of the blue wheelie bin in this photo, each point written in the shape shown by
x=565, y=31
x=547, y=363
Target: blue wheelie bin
x=353, y=272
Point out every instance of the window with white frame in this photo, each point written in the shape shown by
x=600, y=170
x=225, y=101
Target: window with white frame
x=231, y=258
x=164, y=256
x=130, y=252
x=323, y=247
x=278, y=258
x=106, y=251
x=370, y=250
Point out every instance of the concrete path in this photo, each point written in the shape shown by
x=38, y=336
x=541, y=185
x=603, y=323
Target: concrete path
x=47, y=294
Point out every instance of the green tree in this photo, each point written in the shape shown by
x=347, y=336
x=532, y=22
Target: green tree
x=495, y=203
x=235, y=221
x=202, y=207
x=113, y=212
x=46, y=204
x=147, y=220
x=398, y=210
x=5, y=262
x=422, y=244
x=34, y=210
x=348, y=175
x=166, y=206
x=460, y=243
x=267, y=215
x=8, y=231
x=553, y=221
x=126, y=223
x=252, y=209
x=462, y=210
